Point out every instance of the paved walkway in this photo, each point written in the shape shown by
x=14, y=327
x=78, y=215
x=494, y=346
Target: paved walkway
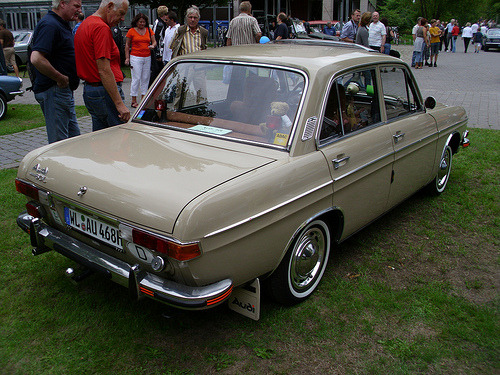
x=469, y=80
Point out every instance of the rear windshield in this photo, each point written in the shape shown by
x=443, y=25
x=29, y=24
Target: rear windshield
x=239, y=102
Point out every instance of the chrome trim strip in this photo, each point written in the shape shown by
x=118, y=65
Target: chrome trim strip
x=148, y=284
x=458, y=124
x=414, y=143
x=363, y=167
x=253, y=217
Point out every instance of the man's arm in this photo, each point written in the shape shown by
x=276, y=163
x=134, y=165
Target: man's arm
x=109, y=83
x=42, y=64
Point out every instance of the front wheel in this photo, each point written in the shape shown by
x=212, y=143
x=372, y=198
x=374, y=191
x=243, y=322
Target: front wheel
x=438, y=185
x=300, y=272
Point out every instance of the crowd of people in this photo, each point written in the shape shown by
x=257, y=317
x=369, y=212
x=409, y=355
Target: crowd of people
x=61, y=57
x=429, y=38
x=92, y=52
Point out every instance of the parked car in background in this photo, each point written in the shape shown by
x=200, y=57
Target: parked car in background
x=22, y=38
x=317, y=26
x=241, y=164
x=10, y=87
x=491, y=39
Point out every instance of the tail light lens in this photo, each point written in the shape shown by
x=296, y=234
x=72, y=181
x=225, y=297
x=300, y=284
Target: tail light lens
x=181, y=252
x=34, y=209
x=27, y=189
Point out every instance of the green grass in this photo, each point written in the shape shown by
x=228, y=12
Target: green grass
x=415, y=292
x=21, y=117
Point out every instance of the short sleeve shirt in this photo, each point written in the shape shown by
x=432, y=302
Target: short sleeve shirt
x=435, y=32
x=375, y=33
x=281, y=30
x=243, y=29
x=349, y=30
x=140, y=43
x=54, y=38
x=94, y=41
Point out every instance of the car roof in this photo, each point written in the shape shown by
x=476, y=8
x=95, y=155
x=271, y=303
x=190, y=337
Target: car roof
x=304, y=54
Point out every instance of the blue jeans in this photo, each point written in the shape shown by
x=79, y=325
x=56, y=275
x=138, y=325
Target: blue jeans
x=453, y=43
x=387, y=48
x=58, y=107
x=100, y=106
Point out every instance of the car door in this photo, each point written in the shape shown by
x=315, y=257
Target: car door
x=414, y=133
x=358, y=148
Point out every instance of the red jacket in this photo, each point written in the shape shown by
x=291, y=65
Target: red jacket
x=455, y=30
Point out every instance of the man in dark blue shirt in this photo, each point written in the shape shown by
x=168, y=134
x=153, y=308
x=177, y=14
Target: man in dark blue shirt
x=281, y=31
x=53, y=57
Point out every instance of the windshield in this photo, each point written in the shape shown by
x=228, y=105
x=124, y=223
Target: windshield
x=240, y=102
x=494, y=32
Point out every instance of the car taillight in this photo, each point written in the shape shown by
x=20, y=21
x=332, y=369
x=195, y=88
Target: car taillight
x=34, y=209
x=27, y=189
x=174, y=250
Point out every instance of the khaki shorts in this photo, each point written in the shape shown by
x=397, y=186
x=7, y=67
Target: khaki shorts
x=10, y=55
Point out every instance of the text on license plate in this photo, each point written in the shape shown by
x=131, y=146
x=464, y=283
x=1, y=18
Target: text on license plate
x=93, y=227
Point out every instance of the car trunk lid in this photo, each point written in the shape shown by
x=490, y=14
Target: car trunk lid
x=143, y=178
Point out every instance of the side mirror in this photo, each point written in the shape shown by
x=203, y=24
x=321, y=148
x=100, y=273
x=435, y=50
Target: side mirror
x=430, y=102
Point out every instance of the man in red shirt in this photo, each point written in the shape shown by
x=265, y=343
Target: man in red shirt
x=98, y=64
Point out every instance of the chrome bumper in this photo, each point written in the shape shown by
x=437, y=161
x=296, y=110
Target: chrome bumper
x=140, y=283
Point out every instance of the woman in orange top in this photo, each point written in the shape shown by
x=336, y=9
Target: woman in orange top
x=140, y=42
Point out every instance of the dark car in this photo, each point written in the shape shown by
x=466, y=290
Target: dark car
x=492, y=39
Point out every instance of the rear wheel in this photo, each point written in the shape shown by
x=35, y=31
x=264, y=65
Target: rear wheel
x=438, y=185
x=3, y=106
x=300, y=272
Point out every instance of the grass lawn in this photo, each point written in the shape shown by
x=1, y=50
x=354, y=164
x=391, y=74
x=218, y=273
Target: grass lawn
x=21, y=117
x=417, y=292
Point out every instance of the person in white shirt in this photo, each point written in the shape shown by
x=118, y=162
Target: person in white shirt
x=474, y=28
x=467, y=35
x=376, y=33
x=172, y=26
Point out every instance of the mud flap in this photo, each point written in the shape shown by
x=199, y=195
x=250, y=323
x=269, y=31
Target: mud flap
x=245, y=300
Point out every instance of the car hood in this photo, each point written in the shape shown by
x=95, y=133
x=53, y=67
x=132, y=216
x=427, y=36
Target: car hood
x=144, y=177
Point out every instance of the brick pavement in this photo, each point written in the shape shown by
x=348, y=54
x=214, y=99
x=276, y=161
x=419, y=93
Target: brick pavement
x=468, y=80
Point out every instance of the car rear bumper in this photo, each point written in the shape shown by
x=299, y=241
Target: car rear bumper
x=140, y=283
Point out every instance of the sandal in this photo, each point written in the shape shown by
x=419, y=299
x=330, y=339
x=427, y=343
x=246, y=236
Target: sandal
x=134, y=105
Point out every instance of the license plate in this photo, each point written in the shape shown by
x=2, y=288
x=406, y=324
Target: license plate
x=93, y=227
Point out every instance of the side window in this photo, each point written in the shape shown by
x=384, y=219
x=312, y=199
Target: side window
x=358, y=100
x=352, y=104
x=399, y=97
x=331, y=126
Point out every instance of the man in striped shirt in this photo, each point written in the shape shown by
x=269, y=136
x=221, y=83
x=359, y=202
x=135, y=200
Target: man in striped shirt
x=191, y=37
x=244, y=28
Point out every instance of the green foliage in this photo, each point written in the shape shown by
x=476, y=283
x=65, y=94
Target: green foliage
x=404, y=13
x=21, y=117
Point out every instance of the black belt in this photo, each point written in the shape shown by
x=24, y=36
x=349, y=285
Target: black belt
x=97, y=84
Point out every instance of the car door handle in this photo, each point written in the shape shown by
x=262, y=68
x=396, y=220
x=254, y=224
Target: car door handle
x=337, y=163
x=398, y=136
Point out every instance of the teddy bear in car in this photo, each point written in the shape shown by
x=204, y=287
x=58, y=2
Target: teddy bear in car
x=277, y=122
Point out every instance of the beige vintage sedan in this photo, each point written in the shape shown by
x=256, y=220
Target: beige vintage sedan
x=241, y=163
